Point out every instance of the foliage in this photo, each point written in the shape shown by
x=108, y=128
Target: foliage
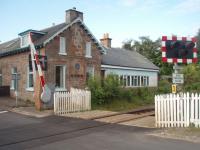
x=109, y=92
x=191, y=78
x=97, y=92
x=164, y=86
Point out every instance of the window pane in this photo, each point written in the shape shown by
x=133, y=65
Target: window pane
x=132, y=81
x=147, y=81
x=124, y=80
x=89, y=72
x=60, y=76
x=13, y=82
x=135, y=81
x=30, y=79
x=138, y=77
x=128, y=80
x=142, y=81
x=62, y=45
x=88, y=49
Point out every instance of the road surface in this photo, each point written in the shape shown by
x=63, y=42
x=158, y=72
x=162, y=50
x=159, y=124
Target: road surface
x=60, y=133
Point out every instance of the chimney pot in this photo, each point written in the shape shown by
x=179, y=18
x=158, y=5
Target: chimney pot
x=106, y=41
x=72, y=14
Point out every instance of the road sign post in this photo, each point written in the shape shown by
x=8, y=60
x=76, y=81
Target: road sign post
x=16, y=77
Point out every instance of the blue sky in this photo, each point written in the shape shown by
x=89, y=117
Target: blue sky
x=122, y=19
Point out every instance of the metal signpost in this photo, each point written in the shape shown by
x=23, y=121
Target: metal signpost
x=16, y=77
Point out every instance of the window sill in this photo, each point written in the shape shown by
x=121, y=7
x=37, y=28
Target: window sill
x=30, y=89
x=60, y=89
x=62, y=53
x=12, y=88
x=88, y=56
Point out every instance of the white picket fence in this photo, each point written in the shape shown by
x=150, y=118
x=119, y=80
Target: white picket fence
x=74, y=101
x=177, y=110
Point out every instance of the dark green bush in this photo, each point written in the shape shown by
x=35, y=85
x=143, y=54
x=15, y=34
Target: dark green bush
x=191, y=78
x=111, y=87
x=97, y=92
x=164, y=86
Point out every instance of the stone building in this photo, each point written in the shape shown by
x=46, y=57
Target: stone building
x=72, y=53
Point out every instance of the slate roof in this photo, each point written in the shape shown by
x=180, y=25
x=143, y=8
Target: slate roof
x=126, y=58
x=13, y=46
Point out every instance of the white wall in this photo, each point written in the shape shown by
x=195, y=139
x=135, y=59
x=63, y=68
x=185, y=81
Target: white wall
x=152, y=74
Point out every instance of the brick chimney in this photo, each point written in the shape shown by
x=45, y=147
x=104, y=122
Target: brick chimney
x=106, y=41
x=72, y=14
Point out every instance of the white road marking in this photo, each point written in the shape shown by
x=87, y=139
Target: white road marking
x=1, y=112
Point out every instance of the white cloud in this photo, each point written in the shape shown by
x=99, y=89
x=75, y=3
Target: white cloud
x=186, y=6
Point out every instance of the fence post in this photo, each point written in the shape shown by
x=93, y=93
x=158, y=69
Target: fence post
x=156, y=111
x=185, y=110
x=199, y=110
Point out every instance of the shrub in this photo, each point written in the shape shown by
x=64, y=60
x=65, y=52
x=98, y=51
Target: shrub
x=191, y=78
x=164, y=86
x=109, y=91
x=97, y=92
x=111, y=87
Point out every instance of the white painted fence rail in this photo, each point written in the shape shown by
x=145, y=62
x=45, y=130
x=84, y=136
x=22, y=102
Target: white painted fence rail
x=177, y=110
x=74, y=101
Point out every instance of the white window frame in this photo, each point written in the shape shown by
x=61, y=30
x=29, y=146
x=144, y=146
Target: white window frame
x=92, y=68
x=62, y=46
x=88, y=50
x=147, y=80
x=64, y=78
x=13, y=81
x=28, y=87
x=22, y=39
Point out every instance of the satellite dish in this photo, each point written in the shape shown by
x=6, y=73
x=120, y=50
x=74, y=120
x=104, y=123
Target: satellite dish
x=46, y=94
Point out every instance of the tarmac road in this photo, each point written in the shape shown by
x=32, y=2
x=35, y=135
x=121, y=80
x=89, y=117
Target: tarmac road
x=60, y=133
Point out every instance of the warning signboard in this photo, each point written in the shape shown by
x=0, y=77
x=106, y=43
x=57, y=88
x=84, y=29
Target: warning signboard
x=173, y=88
x=177, y=78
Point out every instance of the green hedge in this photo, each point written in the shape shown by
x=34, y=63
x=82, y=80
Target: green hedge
x=108, y=90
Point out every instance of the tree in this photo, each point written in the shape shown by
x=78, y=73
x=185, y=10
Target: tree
x=151, y=50
x=127, y=44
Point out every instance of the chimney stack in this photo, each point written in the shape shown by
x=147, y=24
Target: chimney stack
x=106, y=41
x=72, y=14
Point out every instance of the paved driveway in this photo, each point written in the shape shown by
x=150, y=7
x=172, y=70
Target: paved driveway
x=22, y=132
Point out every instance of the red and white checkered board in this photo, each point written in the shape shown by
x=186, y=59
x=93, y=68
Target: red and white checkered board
x=177, y=60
